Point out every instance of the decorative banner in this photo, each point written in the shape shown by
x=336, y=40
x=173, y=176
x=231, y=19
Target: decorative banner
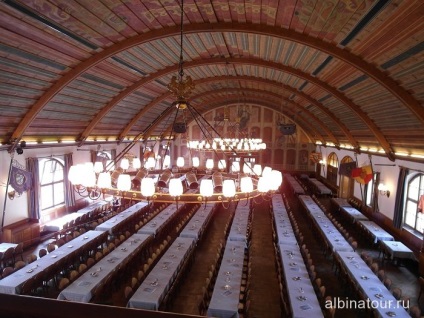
x=20, y=179
x=363, y=174
x=315, y=157
x=346, y=168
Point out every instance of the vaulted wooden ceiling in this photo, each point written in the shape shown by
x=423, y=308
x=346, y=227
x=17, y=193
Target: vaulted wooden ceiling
x=349, y=72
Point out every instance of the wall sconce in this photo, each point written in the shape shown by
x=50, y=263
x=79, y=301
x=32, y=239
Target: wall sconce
x=382, y=188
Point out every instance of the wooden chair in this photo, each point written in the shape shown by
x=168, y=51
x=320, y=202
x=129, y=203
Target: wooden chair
x=388, y=283
x=381, y=274
x=19, y=251
x=415, y=311
x=42, y=252
x=128, y=292
x=31, y=258
x=8, y=257
x=50, y=247
x=63, y=283
x=374, y=268
x=331, y=311
x=19, y=265
x=397, y=293
x=7, y=271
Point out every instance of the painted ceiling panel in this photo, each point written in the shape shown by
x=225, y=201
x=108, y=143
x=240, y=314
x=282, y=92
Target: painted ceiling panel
x=106, y=64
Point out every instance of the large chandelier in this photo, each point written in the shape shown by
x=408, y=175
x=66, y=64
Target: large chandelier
x=211, y=182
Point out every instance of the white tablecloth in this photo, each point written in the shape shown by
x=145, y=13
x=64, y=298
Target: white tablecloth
x=5, y=246
x=198, y=222
x=226, y=293
x=12, y=284
x=341, y=202
x=399, y=250
x=57, y=224
x=294, y=184
x=81, y=289
x=154, y=288
x=159, y=221
x=282, y=224
x=301, y=293
x=379, y=296
x=122, y=217
x=376, y=231
x=320, y=187
x=353, y=214
x=335, y=239
x=239, y=227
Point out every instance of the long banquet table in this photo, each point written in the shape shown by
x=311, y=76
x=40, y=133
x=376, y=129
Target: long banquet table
x=320, y=187
x=302, y=297
x=156, y=285
x=12, y=284
x=81, y=290
x=294, y=184
x=381, y=300
x=226, y=292
x=198, y=222
x=377, y=233
x=240, y=226
x=397, y=249
x=333, y=236
x=121, y=218
x=283, y=227
x=159, y=221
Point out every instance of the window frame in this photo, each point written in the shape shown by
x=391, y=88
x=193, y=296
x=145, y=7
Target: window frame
x=51, y=185
x=415, y=202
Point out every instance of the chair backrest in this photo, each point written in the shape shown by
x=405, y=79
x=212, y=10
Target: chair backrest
x=50, y=247
x=19, y=250
x=7, y=271
x=415, y=312
x=31, y=258
x=19, y=265
x=63, y=283
x=397, y=293
x=8, y=256
x=42, y=252
x=128, y=292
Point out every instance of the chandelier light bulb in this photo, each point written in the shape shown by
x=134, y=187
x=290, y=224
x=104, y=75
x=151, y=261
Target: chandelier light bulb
x=206, y=187
x=125, y=163
x=124, y=182
x=147, y=187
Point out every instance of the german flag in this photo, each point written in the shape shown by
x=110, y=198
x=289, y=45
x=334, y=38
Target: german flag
x=362, y=174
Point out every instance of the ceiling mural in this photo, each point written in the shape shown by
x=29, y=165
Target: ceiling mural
x=347, y=73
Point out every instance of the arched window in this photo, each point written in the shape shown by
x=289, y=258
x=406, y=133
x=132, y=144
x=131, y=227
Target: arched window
x=332, y=168
x=52, y=191
x=414, y=205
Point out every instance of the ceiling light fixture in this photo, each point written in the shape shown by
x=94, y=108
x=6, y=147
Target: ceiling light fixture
x=237, y=176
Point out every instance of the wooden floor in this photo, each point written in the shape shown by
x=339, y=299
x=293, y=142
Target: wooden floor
x=264, y=285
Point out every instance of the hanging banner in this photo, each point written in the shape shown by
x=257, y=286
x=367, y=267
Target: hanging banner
x=20, y=179
x=346, y=168
x=363, y=174
x=315, y=157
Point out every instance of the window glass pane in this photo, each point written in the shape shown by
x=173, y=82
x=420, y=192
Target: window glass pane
x=45, y=172
x=59, y=195
x=58, y=173
x=411, y=209
x=420, y=222
x=414, y=188
x=46, y=197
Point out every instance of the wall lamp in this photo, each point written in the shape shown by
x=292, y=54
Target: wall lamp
x=382, y=188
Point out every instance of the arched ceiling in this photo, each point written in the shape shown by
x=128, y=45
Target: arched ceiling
x=349, y=72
